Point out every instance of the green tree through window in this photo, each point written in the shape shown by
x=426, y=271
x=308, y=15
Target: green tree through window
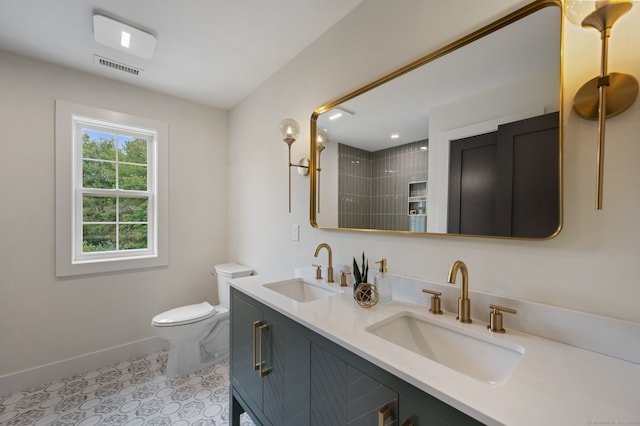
x=115, y=204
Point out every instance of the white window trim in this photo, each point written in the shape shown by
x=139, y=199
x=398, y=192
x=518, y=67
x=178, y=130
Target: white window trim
x=67, y=263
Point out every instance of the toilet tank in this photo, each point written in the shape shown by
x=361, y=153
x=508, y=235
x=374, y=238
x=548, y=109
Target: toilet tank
x=225, y=273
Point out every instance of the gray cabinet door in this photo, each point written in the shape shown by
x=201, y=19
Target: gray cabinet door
x=286, y=392
x=343, y=395
x=280, y=395
x=243, y=347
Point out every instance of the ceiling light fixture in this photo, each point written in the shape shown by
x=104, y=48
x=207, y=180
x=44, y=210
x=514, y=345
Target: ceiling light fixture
x=339, y=112
x=123, y=37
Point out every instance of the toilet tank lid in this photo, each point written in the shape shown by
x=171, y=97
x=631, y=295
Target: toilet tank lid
x=233, y=270
x=184, y=314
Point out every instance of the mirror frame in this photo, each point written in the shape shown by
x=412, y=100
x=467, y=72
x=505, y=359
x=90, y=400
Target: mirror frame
x=469, y=38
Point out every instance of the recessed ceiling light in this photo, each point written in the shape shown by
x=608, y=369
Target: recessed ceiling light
x=123, y=37
x=395, y=136
x=338, y=112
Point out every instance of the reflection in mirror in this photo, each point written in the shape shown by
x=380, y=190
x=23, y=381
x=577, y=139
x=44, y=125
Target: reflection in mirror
x=464, y=141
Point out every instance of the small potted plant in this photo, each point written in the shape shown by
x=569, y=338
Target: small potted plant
x=364, y=293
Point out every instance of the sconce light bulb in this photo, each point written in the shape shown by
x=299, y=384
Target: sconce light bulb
x=577, y=10
x=289, y=130
x=322, y=138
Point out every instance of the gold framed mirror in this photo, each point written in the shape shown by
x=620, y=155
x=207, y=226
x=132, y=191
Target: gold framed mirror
x=466, y=140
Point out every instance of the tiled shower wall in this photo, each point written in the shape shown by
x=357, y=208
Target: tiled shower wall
x=373, y=186
x=354, y=187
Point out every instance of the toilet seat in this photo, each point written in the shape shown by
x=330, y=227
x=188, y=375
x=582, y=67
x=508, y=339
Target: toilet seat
x=184, y=315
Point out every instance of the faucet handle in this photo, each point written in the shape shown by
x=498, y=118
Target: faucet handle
x=318, y=271
x=435, y=301
x=495, y=318
x=343, y=278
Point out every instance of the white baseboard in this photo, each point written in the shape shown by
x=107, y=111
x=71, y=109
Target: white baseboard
x=41, y=375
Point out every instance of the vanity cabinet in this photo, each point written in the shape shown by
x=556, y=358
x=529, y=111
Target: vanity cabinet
x=308, y=379
x=269, y=365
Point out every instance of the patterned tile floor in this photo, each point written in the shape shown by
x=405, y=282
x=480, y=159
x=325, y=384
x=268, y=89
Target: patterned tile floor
x=129, y=393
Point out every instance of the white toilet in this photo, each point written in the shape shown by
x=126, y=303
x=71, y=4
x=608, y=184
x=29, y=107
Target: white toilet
x=198, y=335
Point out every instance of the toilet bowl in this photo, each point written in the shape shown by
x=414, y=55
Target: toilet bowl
x=198, y=334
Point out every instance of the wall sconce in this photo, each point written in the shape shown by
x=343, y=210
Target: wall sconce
x=289, y=131
x=609, y=94
x=322, y=140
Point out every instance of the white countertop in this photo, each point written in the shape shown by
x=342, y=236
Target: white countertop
x=553, y=383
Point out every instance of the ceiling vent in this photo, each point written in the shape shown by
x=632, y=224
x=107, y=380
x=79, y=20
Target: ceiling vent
x=116, y=65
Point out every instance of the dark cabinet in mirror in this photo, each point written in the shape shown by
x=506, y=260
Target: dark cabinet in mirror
x=464, y=141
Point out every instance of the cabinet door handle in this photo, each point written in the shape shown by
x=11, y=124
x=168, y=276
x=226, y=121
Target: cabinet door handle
x=384, y=414
x=256, y=366
x=263, y=371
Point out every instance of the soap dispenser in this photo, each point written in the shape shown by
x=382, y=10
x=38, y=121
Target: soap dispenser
x=382, y=283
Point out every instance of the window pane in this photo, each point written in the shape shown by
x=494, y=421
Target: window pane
x=133, y=209
x=98, y=145
x=98, y=174
x=98, y=238
x=133, y=237
x=98, y=209
x=132, y=177
x=132, y=150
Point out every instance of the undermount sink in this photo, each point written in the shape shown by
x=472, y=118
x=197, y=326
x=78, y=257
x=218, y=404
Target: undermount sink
x=301, y=290
x=488, y=361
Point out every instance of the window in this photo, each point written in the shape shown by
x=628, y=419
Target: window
x=111, y=191
x=115, y=191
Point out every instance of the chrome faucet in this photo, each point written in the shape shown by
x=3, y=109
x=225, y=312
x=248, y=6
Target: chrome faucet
x=330, y=267
x=464, y=304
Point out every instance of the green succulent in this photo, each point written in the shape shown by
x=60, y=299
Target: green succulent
x=360, y=274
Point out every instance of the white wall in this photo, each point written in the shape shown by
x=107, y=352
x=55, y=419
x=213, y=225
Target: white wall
x=590, y=266
x=46, y=320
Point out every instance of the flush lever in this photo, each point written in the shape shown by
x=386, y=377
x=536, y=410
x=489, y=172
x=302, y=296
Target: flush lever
x=495, y=318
